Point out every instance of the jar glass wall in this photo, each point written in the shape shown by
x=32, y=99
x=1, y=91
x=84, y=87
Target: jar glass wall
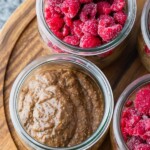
x=144, y=37
x=65, y=61
x=117, y=139
x=103, y=55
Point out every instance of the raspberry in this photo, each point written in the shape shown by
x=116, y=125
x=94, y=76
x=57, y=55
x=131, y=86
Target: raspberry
x=142, y=129
x=73, y=40
x=55, y=23
x=68, y=21
x=147, y=50
x=109, y=33
x=90, y=26
x=142, y=147
x=77, y=28
x=54, y=2
x=65, y=30
x=58, y=34
x=89, y=41
x=128, y=103
x=120, y=17
x=130, y=117
x=88, y=12
x=142, y=101
x=106, y=21
x=133, y=142
x=103, y=8
x=57, y=50
x=70, y=8
x=118, y=5
x=85, y=1
x=52, y=11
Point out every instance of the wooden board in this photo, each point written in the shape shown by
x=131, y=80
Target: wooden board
x=20, y=44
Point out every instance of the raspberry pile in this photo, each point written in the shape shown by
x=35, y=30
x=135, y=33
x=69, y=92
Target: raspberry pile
x=135, y=120
x=85, y=23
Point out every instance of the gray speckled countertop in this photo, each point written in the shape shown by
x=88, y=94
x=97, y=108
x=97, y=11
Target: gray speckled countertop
x=6, y=9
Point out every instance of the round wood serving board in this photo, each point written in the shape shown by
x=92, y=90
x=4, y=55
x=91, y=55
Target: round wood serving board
x=20, y=43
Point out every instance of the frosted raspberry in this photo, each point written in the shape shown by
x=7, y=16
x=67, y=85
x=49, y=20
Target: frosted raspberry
x=77, y=28
x=90, y=26
x=50, y=12
x=70, y=8
x=118, y=5
x=54, y=2
x=142, y=101
x=141, y=128
x=130, y=116
x=133, y=142
x=147, y=50
x=89, y=41
x=68, y=21
x=106, y=21
x=65, y=30
x=57, y=50
x=85, y=1
x=88, y=12
x=73, y=40
x=109, y=33
x=129, y=103
x=55, y=23
x=142, y=147
x=58, y=34
x=103, y=8
x=120, y=17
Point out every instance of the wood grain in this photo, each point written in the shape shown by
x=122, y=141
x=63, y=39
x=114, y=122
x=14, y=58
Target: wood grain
x=20, y=43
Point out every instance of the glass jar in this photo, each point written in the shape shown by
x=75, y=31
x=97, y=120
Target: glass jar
x=117, y=140
x=101, y=56
x=144, y=37
x=65, y=61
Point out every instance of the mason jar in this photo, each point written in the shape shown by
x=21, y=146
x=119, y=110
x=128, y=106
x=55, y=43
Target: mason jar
x=64, y=61
x=117, y=140
x=102, y=55
x=144, y=36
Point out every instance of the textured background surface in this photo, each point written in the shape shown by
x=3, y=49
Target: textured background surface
x=6, y=9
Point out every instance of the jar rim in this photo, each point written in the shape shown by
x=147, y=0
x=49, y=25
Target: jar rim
x=93, y=69
x=145, y=23
x=132, y=8
x=119, y=106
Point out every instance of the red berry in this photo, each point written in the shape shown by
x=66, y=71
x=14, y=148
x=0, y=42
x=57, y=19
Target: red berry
x=106, y=21
x=70, y=8
x=65, y=30
x=89, y=41
x=147, y=50
x=88, y=12
x=77, y=28
x=90, y=26
x=68, y=21
x=128, y=103
x=109, y=33
x=58, y=34
x=118, y=5
x=142, y=101
x=120, y=17
x=103, y=8
x=85, y=1
x=73, y=40
x=55, y=22
x=54, y=2
x=133, y=142
x=142, y=147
